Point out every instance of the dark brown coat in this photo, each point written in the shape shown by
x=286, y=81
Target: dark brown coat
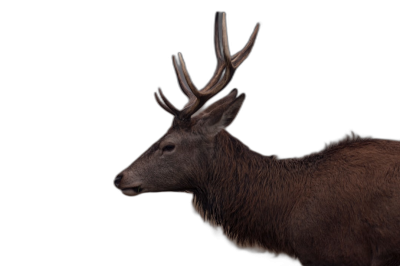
x=340, y=206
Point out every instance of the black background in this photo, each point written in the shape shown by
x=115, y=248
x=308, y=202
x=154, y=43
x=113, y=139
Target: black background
x=316, y=74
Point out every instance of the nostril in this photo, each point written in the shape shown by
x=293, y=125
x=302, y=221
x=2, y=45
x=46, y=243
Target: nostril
x=117, y=180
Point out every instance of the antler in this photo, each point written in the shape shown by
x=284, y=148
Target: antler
x=226, y=67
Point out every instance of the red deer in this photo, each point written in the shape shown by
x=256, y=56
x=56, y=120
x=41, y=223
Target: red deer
x=339, y=206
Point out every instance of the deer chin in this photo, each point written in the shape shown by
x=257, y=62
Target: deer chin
x=132, y=191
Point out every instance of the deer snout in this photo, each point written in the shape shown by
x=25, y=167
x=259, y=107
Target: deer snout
x=129, y=187
x=117, y=180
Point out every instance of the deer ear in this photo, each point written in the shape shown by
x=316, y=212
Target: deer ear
x=221, y=114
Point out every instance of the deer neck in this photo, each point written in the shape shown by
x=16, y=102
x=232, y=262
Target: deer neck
x=249, y=195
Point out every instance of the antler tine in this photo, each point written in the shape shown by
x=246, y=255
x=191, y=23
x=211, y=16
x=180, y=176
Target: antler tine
x=217, y=41
x=181, y=81
x=220, y=59
x=162, y=104
x=225, y=45
x=166, y=105
x=192, y=88
x=240, y=56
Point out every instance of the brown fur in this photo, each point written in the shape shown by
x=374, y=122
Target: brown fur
x=340, y=206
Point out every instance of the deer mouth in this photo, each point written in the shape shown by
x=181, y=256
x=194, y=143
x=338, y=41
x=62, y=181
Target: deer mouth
x=132, y=191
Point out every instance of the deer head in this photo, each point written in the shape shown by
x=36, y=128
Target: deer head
x=178, y=159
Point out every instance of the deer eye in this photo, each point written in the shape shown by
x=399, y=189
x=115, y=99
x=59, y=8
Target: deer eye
x=168, y=148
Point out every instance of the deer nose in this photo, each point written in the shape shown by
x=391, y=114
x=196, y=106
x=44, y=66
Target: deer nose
x=117, y=180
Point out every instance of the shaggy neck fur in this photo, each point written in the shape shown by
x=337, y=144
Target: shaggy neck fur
x=251, y=196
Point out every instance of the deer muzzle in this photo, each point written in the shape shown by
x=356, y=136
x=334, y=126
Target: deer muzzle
x=129, y=189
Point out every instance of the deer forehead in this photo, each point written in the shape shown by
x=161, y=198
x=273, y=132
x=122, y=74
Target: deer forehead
x=181, y=137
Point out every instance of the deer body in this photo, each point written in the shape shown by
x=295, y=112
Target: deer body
x=336, y=207
x=340, y=206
